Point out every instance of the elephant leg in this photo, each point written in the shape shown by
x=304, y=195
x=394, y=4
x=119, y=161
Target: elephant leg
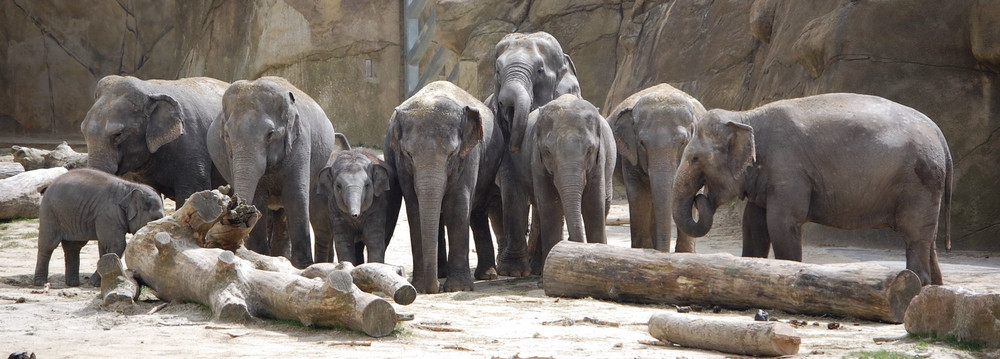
x=550, y=221
x=513, y=258
x=917, y=223
x=359, y=252
x=71, y=250
x=457, y=217
x=322, y=230
x=756, y=240
x=47, y=243
x=640, y=210
x=257, y=240
x=295, y=200
x=784, y=224
x=535, y=257
x=442, y=257
x=486, y=265
x=494, y=210
x=279, y=242
x=594, y=212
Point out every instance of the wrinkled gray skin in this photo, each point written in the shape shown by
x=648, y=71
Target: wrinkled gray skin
x=354, y=185
x=843, y=160
x=566, y=160
x=84, y=205
x=270, y=142
x=154, y=131
x=530, y=70
x=445, y=149
x=651, y=129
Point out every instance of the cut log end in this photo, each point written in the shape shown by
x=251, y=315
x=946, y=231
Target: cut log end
x=340, y=281
x=902, y=289
x=405, y=295
x=378, y=318
x=117, y=283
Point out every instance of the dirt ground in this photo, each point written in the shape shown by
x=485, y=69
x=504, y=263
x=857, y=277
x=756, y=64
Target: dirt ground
x=505, y=318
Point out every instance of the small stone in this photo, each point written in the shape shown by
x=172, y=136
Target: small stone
x=833, y=325
x=683, y=309
x=761, y=316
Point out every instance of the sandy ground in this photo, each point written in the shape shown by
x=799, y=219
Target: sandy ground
x=506, y=318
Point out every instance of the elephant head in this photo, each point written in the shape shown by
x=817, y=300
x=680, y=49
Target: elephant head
x=128, y=123
x=569, y=137
x=531, y=70
x=259, y=128
x=141, y=205
x=352, y=181
x=721, y=149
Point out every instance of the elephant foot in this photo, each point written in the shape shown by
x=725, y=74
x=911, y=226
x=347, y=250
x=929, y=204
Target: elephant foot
x=486, y=273
x=513, y=267
x=95, y=280
x=39, y=281
x=423, y=286
x=72, y=281
x=536, y=265
x=462, y=284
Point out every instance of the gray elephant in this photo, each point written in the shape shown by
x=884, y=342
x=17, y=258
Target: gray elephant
x=566, y=160
x=84, y=205
x=270, y=142
x=355, y=187
x=843, y=160
x=154, y=131
x=445, y=149
x=531, y=70
x=651, y=128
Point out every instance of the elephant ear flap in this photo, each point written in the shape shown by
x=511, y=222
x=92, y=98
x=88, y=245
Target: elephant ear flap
x=623, y=126
x=340, y=143
x=472, y=130
x=380, y=178
x=165, y=121
x=323, y=180
x=570, y=64
x=741, y=148
x=292, y=128
x=130, y=205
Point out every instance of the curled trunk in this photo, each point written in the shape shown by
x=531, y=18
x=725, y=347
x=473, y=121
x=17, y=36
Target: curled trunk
x=515, y=95
x=686, y=197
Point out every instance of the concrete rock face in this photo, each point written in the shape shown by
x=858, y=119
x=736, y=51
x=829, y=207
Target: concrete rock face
x=955, y=311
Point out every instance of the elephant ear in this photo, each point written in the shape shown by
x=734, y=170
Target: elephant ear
x=623, y=126
x=165, y=121
x=380, y=178
x=340, y=143
x=324, y=181
x=472, y=130
x=292, y=128
x=131, y=204
x=741, y=148
x=567, y=83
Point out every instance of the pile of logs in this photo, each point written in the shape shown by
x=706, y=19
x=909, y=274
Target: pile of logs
x=62, y=156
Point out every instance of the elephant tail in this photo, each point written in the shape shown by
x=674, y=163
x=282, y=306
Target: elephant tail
x=948, y=184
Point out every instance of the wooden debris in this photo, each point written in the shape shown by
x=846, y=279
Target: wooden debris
x=351, y=343
x=117, y=283
x=455, y=347
x=20, y=196
x=435, y=328
x=744, y=338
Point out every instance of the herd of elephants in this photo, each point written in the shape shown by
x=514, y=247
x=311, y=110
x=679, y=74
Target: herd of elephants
x=843, y=160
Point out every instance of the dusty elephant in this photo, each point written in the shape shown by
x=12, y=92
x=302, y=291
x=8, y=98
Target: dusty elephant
x=531, y=70
x=270, y=141
x=843, y=160
x=155, y=131
x=84, y=205
x=445, y=149
x=651, y=129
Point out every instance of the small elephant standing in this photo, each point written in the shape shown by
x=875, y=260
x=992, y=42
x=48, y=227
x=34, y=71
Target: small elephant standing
x=566, y=160
x=270, y=141
x=84, y=205
x=843, y=160
x=651, y=128
x=155, y=131
x=355, y=187
x=445, y=149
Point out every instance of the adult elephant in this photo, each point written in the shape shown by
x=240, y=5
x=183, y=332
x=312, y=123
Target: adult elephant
x=445, y=149
x=270, y=142
x=531, y=70
x=651, y=129
x=843, y=160
x=154, y=131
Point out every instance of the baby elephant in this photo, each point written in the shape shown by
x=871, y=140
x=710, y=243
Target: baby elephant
x=84, y=205
x=352, y=190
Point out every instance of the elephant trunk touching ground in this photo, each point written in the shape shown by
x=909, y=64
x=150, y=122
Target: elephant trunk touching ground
x=429, y=187
x=686, y=195
x=661, y=182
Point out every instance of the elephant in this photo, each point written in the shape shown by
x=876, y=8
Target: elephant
x=566, y=162
x=354, y=186
x=531, y=70
x=651, y=129
x=270, y=142
x=154, y=132
x=844, y=160
x=445, y=149
x=86, y=204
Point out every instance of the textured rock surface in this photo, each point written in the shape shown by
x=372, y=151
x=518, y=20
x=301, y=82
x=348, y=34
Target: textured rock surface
x=946, y=311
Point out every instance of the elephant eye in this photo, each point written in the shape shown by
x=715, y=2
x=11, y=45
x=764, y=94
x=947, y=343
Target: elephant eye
x=118, y=138
x=541, y=70
x=339, y=186
x=270, y=134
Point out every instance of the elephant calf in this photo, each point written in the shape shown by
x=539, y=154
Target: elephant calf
x=353, y=186
x=84, y=205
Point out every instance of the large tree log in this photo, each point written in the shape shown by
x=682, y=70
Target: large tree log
x=649, y=276
x=166, y=256
x=62, y=156
x=946, y=311
x=10, y=169
x=19, y=196
x=371, y=277
x=744, y=338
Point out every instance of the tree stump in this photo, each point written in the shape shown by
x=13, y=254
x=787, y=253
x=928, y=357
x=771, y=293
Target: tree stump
x=166, y=255
x=19, y=195
x=946, y=311
x=744, y=338
x=649, y=276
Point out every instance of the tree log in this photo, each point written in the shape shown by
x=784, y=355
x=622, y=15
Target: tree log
x=10, y=169
x=117, y=283
x=371, y=277
x=62, y=156
x=736, y=337
x=19, y=195
x=166, y=256
x=649, y=276
x=947, y=311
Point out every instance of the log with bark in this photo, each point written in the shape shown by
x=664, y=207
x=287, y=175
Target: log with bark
x=62, y=156
x=649, y=276
x=20, y=196
x=167, y=256
x=729, y=336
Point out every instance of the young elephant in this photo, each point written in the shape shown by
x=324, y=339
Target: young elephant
x=353, y=186
x=84, y=205
x=843, y=160
x=566, y=163
x=651, y=128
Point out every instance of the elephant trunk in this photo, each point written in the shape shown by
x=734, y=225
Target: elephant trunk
x=247, y=171
x=103, y=160
x=686, y=196
x=661, y=181
x=430, y=191
x=354, y=195
x=515, y=97
x=570, y=187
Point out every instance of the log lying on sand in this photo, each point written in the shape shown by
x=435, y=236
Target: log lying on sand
x=118, y=285
x=648, y=276
x=949, y=311
x=19, y=196
x=62, y=156
x=10, y=169
x=736, y=337
x=165, y=255
x=371, y=277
